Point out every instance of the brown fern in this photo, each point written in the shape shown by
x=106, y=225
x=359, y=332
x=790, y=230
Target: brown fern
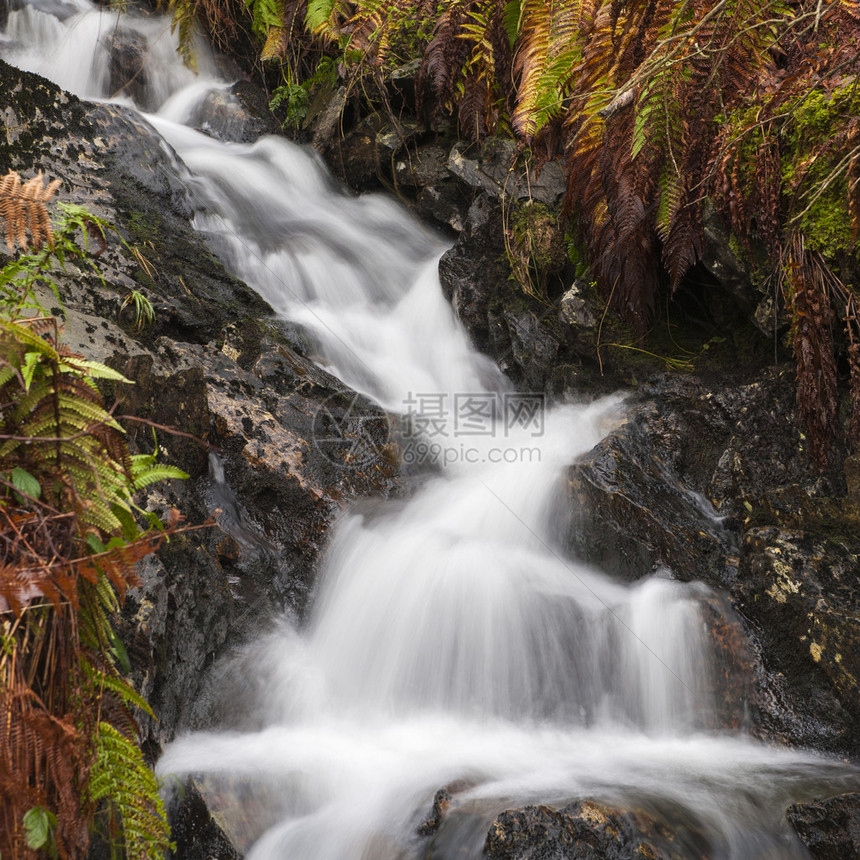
x=812, y=340
x=23, y=209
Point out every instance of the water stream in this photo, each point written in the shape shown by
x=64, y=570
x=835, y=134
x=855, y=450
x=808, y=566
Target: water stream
x=451, y=641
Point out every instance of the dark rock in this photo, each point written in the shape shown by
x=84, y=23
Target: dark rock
x=427, y=166
x=719, y=259
x=532, y=347
x=442, y=802
x=529, y=338
x=128, y=73
x=801, y=593
x=112, y=162
x=443, y=203
x=394, y=136
x=239, y=114
x=732, y=663
x=400, y=86
x=590, y=831
x=633, y=508
x=174, y=624
x=195, y=833
x=695, y=468
x=275, y=489
x=829, y=828
x=688, y=468
x=326, y=119
x=356, y=157
x=576, y=310
x=494, y=169
x=471, y=271
x=178, y=400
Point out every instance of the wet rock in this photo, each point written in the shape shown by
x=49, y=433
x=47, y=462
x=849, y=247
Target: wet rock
x=127, y=69
x=713, y=481
x=720, y=260
x=179, y=400
x=533, y=349
x=575, y=309
x=400, y=86
x=239, y=114
x=444, y=204
x=471, y=271
x=829, y=828
x=442, y=803
x=590, y=831
x=395, y=135
x=494, y=169
x=194, y=831
x=529, y=338
x=732, y=663
x=173, y=625
x=695, y=461
x=634, y=511
x=112, y=162
x=278, y=483
x=801, y=593
x=325, y=119
x=427, y=166
x=356, y=157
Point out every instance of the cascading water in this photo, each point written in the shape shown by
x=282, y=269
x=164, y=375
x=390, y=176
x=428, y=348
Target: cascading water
x=450, y=641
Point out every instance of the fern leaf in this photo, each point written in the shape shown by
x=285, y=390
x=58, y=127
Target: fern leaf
x=121, y=778
x=158, y=472
x=95, y=369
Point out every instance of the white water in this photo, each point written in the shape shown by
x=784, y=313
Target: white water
x=450, y=640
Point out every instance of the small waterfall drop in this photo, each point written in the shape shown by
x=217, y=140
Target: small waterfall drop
x=451, y=641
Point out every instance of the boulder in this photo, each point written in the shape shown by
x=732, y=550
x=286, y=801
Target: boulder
x=494, y=169
x=587, y=830
x=829, y=828
x=472, y=270
x=237, y=114
x=800, y=590
x=127, y=69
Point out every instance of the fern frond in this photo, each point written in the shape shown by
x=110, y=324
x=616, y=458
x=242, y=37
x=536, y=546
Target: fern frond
x=121, y=778
x=154, y=473
x=23, y=209
x=548, y=51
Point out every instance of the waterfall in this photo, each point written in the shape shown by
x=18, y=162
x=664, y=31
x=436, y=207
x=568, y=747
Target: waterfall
x=451, y=641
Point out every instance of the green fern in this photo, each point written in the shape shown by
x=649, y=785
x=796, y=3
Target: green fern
x=143, y=477
x=62, y=448
x=265, y=15
x=121, y=779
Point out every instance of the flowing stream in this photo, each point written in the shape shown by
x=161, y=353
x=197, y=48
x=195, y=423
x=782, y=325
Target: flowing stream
x=451, y=642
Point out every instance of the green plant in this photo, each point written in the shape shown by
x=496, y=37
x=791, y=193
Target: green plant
x=534, y=245
x=69, y=542
x=143, y=313
x=295, y=98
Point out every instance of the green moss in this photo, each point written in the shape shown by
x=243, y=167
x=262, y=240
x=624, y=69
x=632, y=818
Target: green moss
x=536, y=246
x=815, y=187
x=827, y=223
x=143, y=228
